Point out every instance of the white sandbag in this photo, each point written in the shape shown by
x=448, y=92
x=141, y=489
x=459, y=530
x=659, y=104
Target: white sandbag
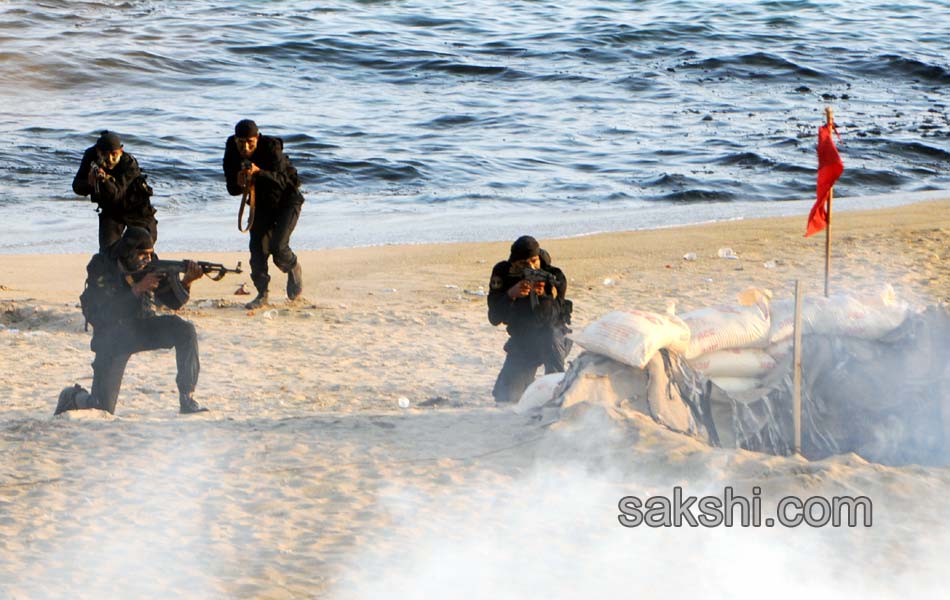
x=783, y=319
x=633, y=336
x=734, y=362
x=866, y=316
x=781, y=350
x=539, y=393
x=736, y=384
x=723, y=327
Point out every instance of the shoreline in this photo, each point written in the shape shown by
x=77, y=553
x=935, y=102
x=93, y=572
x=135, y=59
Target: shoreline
x=331, y=225
x=756, y=240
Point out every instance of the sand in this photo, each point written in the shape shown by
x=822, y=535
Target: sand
x=308, y=480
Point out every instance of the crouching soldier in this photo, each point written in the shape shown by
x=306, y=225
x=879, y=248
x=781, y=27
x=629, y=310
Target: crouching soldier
x=119, y=303
x=113, y=180
x=529, y=296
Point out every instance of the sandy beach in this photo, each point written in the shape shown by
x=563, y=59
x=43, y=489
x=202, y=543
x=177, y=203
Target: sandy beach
x=308, y=480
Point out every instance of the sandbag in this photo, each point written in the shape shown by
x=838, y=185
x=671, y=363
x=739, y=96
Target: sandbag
x=735, y=384
x=865, y=316
x=633, y=337
x=734, y=362
x=538, y=393
x=780, y=350
x=724, y=327
x=783, y=319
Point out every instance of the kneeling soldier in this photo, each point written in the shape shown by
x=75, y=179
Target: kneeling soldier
x=528, y=295
x=119, y=303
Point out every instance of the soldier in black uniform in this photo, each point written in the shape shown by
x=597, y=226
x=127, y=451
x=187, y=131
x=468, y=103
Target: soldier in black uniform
x=119, y=304
x=258, y=160
x=113, y=180
x=537, y=315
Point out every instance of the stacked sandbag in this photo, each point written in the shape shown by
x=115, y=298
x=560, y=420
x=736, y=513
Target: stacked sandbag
x=633, y=337
x=726, y=342
x=728, y=326
x=781, y=350
x=736, y=346
x=863, y=316
x=735, y=369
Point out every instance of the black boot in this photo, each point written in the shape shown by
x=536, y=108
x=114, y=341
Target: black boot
x=189, y=405
x=259, y=301
x=294, y=282
x=74, y=397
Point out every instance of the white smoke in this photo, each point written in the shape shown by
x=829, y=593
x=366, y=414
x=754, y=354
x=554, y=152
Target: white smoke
x=554, y=533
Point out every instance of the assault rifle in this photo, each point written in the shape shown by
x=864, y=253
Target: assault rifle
x=538, y=275
x=248, y=198
x=178, y=267
x=98, y=173
x=173, y=269
x=534, y=276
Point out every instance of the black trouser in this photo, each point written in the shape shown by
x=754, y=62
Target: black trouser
x=111, y=227
x=270, y=236
x=526, y=352
x=114, y=346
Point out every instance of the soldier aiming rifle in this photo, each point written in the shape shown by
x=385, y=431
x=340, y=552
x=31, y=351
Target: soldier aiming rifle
x=124, y=283
x=528, y=295
x=111, y=177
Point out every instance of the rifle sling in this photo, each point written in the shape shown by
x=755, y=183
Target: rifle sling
x=247, y=199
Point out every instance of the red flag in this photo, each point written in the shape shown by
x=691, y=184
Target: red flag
x=830, y=168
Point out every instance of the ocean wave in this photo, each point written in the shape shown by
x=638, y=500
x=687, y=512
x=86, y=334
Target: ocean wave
x=378, y=169
x=916, y=149
x=757, y=65
x=521, y=103
x=881, y=178
x=894, y=66
x=745, y=159
x=697, y=195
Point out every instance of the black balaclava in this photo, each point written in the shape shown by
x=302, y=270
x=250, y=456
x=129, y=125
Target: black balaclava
x=545, y=257
x=133, y=241
x=245, y=128
x=524, y=247
x=108, y=142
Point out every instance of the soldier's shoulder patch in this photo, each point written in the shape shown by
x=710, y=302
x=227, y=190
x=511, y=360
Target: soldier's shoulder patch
x=496, y=282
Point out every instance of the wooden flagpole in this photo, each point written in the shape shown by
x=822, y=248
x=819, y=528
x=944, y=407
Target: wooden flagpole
x=797, y=369
x=830, y=121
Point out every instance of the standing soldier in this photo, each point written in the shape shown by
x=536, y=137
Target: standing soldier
x=528, y=295
x=113, y=180
x=252, y=160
